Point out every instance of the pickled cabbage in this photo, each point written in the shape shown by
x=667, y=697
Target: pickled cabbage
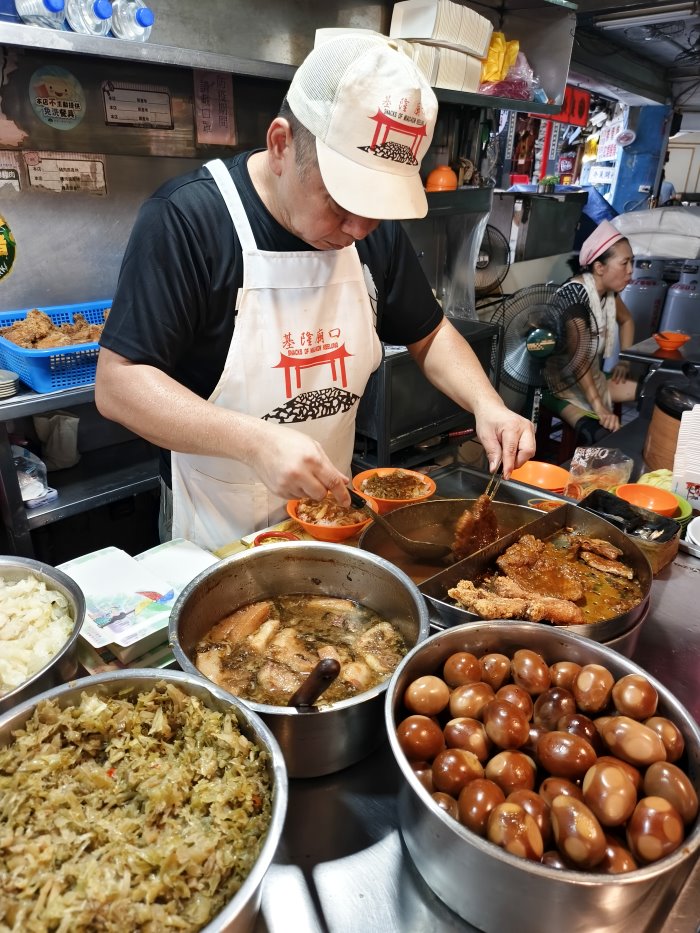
x=139, y=812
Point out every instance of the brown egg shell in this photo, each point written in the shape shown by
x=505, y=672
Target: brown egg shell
x=563, y=754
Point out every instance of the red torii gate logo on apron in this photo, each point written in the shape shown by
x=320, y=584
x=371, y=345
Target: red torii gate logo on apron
x=386, y=125
x=334, y=358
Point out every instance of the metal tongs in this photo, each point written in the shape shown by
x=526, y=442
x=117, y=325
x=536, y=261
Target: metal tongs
x=495, y=481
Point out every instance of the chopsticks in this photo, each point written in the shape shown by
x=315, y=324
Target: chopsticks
x=495, y=481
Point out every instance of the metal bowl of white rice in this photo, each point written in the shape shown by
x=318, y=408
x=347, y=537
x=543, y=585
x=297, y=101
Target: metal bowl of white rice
x=41, y=612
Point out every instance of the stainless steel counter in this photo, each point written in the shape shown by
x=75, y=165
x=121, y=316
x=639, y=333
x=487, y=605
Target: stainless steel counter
x=342, y=866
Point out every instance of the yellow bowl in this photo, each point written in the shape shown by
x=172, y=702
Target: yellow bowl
x=362, y=483
x=545, y=475
x=332, y=533
x=649, y=497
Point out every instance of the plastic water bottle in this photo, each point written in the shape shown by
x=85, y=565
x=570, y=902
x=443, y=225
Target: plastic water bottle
x=132, y=19
x=91, y=17
x=48, y=13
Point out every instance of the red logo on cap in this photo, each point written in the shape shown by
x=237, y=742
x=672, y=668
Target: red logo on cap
x=384, y=148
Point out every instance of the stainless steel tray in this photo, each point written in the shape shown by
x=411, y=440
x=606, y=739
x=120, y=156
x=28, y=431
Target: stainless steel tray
x=568, y=515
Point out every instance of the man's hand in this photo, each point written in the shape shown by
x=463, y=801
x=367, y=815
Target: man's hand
x=293, y=465
x=505, y=436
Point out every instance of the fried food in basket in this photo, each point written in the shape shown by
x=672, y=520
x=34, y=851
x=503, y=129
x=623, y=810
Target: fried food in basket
x=38, y=332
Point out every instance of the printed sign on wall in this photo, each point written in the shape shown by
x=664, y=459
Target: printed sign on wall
x=213, y=104
x=144, y=105
x=9, y=170
x=57, y=97
x=66, y=171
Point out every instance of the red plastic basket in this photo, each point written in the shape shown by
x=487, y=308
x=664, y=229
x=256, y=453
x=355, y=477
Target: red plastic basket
x=59, y=367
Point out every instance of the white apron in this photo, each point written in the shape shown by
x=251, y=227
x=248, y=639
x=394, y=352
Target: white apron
x=303, y=348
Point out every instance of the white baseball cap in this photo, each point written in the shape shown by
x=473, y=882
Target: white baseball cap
x=373, y=115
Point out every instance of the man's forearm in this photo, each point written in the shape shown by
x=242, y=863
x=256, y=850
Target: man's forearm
x=451, y=365
x=156, y=407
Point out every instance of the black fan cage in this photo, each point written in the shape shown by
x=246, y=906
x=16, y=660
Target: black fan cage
x=546, y=311
x=492, y=262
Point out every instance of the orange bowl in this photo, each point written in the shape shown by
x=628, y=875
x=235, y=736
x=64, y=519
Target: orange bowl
x=671, y=339
x=649, y=497
x=332, y=533
x=442, y=178
x=365, y=481
x=545, y=475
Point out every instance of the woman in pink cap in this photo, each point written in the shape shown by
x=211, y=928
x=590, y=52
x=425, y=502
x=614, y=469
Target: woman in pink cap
x=606, y=268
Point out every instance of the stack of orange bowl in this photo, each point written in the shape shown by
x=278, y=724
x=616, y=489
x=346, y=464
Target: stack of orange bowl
x=370, y=482
x=543, y=475
x=649, y=497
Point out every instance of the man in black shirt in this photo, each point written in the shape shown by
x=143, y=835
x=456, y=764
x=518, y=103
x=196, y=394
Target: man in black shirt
x=254, y=294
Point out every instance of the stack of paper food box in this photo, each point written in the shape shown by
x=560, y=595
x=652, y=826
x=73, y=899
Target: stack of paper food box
x=446, y=40
x=128, y=602
x=686, y=462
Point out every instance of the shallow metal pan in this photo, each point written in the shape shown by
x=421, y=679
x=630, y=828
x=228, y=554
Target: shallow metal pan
x=567, y=516
x=435, y=521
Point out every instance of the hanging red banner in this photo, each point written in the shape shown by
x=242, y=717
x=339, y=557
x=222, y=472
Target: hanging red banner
x=574, y=111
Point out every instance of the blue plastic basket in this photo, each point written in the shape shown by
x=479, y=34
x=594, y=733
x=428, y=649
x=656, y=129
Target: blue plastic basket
x=59, y=367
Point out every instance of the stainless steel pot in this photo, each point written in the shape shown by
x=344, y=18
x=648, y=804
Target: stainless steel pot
x=435, y=521
x=571, y=516
x=329, y=738
x=241, y=912
x=63, y=664
x=483, y=883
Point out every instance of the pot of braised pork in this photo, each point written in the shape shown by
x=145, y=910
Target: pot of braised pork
x=269, y=623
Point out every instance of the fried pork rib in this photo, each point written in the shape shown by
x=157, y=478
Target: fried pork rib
x=537, y=567
x=523, y=553
x=607, y=566
x=475, y=529
x=596, y=545
x=558, y=611
x=486, y=604
x=509, y=601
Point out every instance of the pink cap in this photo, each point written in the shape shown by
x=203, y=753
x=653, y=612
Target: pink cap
x=601, y=239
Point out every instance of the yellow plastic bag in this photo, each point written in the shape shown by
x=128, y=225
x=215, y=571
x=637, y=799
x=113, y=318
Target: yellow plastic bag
x=499, y=58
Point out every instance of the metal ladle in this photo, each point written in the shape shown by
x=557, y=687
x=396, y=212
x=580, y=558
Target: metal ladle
x=425, y=550
x=318, y=681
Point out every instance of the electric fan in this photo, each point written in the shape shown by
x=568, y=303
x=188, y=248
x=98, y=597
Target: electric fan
x=550, y=339
x=492, y=262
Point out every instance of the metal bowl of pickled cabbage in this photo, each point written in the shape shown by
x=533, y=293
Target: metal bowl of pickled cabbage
x=348, y=590
x=41, y=612
x=486, y=884
x=140, y=799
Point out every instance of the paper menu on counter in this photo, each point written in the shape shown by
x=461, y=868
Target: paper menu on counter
x=129, y=599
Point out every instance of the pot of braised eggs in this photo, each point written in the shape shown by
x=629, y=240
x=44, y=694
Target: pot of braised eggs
x=548, y=782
